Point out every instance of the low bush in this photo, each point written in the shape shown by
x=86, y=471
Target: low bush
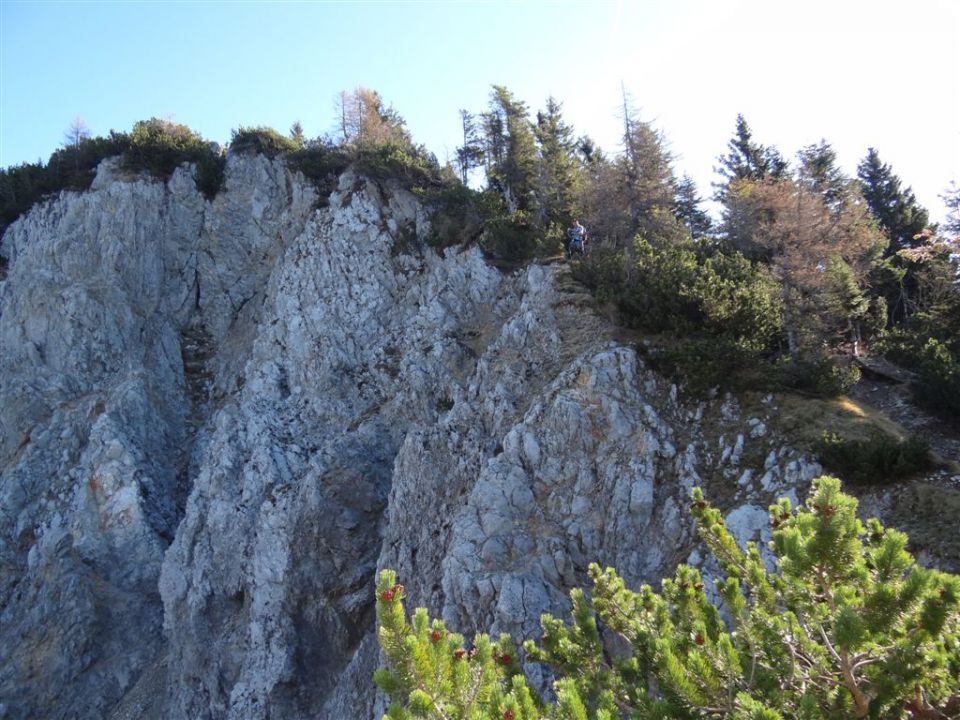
x=261, y=140
x=605, y=273
x=509, y=237
x=69, y=168
x=937, y=387
x=844, y=625
x=701, y=363
x=719, y=310
x=879, y=459
x=159, y=147
x=819, y=377
x=932, y=351
x=457, y=214
x=687, y=287
x=209, y=174
x=154, y=146
x=411, y=165
x=321, y=163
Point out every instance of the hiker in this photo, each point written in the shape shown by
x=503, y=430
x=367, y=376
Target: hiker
x=577, y=235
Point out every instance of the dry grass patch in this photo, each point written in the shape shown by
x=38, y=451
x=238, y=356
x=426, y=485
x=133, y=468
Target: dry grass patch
x=805, y=420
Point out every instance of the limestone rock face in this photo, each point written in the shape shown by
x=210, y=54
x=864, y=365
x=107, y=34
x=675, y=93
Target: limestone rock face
x=220, y=418
x=97, y=395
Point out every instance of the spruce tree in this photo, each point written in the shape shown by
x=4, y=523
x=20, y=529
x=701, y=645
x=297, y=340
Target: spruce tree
x=818, y=170
x=557, y=176
x=686, y=207
x=846, y=626
x=511, y=155
x=748, y=160
x=470, y=154
x=951, y=198
x=896, y=209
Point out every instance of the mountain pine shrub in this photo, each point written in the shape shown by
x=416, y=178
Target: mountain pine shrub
x=880, y=458
x=847, y=626
x=160, y=146
x=261, y=140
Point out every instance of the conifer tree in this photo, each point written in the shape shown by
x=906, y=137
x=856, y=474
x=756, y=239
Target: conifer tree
x=818, y=170
x=510, y=152
x=647, y=175
x=297, y=135
x=634, y=192
x=470, y=154
x=790, y=227
x=748, y=160
x=847, y=626
x=951, y=198
x=557, y=176
x=895, y=209
x=686, y=208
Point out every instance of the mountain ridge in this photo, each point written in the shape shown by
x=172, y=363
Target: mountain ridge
x=219, y=418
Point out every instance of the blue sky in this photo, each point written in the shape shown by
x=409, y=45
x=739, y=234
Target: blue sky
x=860, y=74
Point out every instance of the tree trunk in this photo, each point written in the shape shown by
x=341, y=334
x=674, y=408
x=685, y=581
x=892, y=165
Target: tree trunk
x=789, y=323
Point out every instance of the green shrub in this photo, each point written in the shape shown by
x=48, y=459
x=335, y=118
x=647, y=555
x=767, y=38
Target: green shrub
x=160, y=146
x=937, y=387
x=155, y=146
x=605, y=272
x=879, y=459
x=701, y=363
x=262, y=141
x=820, y=377
x=687, y=287
x=719, y=310
x=838, y=380
x=933, y=353
x=411, y=165
x=69, y=168
x=510, y=237
x=847, y=625
x=209, y=174
x=321, y=163
x=456, y=214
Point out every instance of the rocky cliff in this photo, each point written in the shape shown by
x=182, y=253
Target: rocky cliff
x=218, y=419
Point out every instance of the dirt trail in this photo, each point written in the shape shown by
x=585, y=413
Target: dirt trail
x=894, y=401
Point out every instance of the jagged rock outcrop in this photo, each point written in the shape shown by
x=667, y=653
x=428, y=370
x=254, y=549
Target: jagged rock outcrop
x=217, y=419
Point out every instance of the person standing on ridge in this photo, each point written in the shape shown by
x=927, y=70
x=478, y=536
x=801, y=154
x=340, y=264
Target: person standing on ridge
x=577, y=235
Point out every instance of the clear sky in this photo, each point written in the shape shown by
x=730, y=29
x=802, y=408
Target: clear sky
x=881, y=73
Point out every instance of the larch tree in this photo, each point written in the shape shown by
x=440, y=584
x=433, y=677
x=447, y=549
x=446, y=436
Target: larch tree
x=601, y=199
x=634, y=192
x=789, y=226
x=648, y=179
x=365, y=122
x=297, y=135
x=75, y=134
